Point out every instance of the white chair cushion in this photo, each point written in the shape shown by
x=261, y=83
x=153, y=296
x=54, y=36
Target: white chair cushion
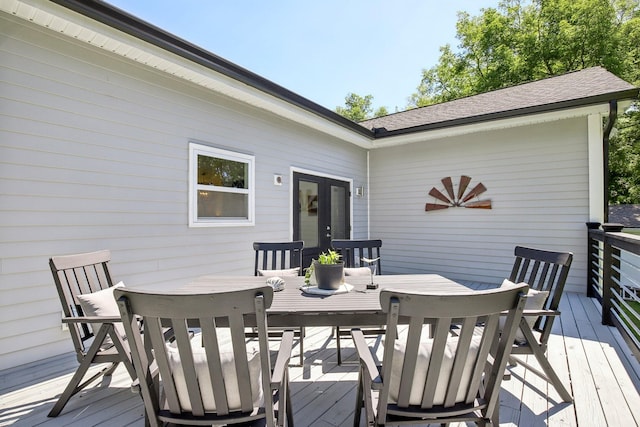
x=422, y=364
x=357, y=271
x=289, y=272
x=204, y=380
x=102, y=303
x=534, y=301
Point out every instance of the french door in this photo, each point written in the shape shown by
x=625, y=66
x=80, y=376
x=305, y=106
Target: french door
x=321, y=212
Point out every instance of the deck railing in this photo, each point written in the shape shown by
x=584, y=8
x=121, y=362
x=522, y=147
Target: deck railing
x=613, y=277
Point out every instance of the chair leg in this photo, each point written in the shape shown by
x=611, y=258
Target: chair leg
x=338, y=352
x=302, y=333
x=552, y=377
x=367, y=400
x=289, y=407
x=549, y=374
x=74, y=385
x=359, y=401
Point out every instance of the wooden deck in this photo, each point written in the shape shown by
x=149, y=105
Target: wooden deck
x=592, y=360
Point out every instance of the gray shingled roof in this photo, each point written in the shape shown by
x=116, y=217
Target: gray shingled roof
x=588, y=86
x=628, y=215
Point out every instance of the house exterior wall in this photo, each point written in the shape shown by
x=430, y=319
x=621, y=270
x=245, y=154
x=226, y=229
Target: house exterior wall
x=536, y=177
x=94, y=155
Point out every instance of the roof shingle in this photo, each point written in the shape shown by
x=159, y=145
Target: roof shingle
x=584, y=87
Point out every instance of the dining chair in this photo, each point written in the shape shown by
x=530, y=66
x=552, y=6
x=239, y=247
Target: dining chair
x=546, y=273
x=354, y=253
x=213, y=377
x=429, y=375
x=85, y=288
x=281, y=259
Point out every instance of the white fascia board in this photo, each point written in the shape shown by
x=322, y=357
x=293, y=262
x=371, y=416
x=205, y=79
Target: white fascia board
x=66, y=22
x=525, y=120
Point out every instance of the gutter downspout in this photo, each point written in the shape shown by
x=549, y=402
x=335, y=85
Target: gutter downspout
x=611, y=120
x=368, y=193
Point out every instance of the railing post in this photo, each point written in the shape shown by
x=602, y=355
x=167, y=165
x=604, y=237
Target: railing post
x=592, y=259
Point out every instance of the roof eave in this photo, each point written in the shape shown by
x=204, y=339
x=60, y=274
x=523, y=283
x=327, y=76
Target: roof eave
x=129, y=24
x=382, y=133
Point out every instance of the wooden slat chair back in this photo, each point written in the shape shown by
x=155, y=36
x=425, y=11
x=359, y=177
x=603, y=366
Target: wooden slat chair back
x=352, y=252
x=547, y=271
x=279, y=257
x=82, y=274
x=430, y=375
x=215, y=377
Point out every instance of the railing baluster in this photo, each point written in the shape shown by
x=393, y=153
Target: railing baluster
x=611, y=273
x=607, y=283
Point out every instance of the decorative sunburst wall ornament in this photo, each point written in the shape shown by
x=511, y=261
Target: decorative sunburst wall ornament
x=458, y=199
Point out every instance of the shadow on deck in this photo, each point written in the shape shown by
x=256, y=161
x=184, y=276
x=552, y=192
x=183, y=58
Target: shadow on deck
x=591, y=359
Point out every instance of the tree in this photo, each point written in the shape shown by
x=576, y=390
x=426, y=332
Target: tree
x=624, y=160
x=521, y=41
x=359, y=108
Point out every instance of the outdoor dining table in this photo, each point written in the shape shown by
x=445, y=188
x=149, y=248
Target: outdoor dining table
x=292, y=307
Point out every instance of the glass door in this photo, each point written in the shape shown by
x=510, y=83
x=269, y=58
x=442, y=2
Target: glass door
x=321, y=213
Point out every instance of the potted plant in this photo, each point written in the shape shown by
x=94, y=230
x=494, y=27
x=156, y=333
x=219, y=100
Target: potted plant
x=328, y=270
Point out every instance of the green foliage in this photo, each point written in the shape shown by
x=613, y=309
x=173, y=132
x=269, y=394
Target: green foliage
x=526, y=40
x=522, y=41
x=221, y=172
x=382, y=111
x=624, y=160
x=330, y=257
x=359, y=108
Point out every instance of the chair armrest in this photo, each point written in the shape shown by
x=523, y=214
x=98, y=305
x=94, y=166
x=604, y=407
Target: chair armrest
x=282, y=360
x=92, y=319
x=541, y=312
x=536, y=313
x=364, y=353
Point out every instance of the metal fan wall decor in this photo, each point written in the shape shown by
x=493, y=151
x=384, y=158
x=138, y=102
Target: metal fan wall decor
x=461, y=198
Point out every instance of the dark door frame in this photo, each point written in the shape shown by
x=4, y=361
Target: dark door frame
x=319, y=175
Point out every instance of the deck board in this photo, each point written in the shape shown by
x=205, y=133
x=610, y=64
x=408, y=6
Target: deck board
x=591, y=359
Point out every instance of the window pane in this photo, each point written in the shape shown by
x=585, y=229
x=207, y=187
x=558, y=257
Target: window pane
x=222, y=172
x=214, y=204
x=338, y=213
x=220, y=187
x=308, y=198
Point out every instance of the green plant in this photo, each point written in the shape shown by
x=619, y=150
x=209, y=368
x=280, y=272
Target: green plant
x=329, y=257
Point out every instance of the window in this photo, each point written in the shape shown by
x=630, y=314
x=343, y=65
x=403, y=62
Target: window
x=220, y=187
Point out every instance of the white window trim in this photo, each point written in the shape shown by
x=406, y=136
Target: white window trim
x=196, y=149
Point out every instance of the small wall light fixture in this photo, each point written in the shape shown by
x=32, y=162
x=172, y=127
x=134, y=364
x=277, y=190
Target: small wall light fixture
x=359, y=191
x=277, y=179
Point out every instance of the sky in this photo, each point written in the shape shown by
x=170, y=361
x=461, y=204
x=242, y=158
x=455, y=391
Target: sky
x=321, y=50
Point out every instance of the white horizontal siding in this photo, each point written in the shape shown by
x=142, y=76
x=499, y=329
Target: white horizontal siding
x=536, y=178
x=94, y=155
